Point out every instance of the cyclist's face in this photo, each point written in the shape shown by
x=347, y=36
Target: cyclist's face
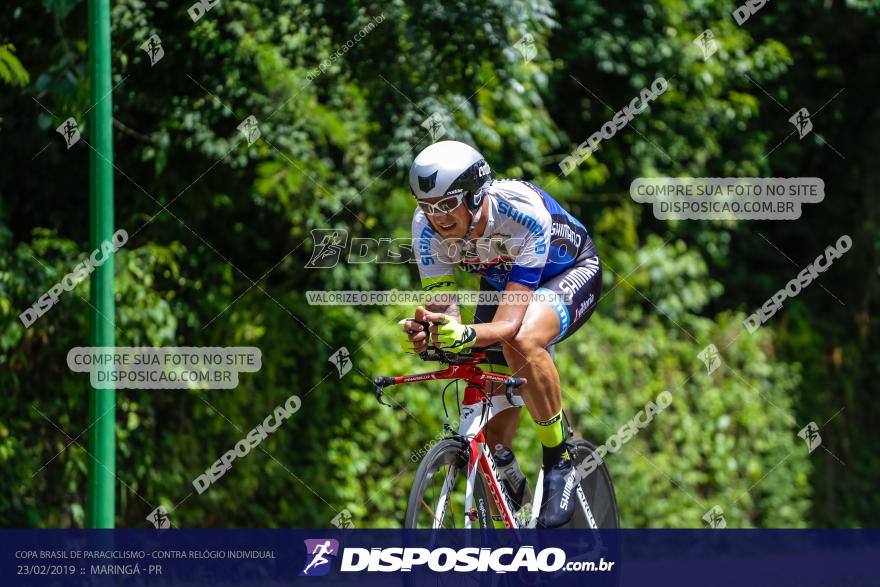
x=452, y=223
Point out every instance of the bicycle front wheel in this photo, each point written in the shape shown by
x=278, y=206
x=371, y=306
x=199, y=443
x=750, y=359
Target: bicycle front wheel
x=437, y=498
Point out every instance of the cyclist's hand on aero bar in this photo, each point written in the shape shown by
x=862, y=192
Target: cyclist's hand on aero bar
x=449, y=334
x=414, y=338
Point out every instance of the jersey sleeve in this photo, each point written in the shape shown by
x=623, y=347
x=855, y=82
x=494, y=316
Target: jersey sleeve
x=436, y=270
x=532, y=255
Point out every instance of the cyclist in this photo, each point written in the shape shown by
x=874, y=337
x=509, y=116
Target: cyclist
x=519, y=240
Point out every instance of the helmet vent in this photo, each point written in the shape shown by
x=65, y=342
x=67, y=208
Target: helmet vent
x=426, y=184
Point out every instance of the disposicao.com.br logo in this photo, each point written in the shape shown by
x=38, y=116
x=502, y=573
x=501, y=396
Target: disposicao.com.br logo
x=319, y=553
x=441, y=560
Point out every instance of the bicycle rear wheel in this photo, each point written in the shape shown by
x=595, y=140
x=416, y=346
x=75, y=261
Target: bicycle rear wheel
x=438, y=491
x=598, y=491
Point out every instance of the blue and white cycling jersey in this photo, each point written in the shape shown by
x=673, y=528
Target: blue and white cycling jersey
x=529, y=238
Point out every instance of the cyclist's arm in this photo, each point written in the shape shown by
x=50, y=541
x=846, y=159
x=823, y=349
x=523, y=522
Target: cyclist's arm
x=435, y=267
x=444, y=304
x=503, y=327
x=415, y=338
x=508, y=318
x=437, y=275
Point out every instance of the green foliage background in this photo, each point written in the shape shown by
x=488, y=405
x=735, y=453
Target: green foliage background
x=219, y=236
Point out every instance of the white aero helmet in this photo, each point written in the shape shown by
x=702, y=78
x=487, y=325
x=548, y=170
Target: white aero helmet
x=450, y=168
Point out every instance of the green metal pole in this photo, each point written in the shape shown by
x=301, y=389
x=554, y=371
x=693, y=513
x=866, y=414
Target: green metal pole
x=102, y=402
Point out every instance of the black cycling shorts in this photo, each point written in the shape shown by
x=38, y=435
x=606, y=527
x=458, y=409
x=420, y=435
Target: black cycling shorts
x=583, y=281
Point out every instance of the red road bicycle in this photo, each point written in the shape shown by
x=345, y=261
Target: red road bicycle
x=447, y=491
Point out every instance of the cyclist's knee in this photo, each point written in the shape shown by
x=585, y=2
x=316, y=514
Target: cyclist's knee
x=521, y=348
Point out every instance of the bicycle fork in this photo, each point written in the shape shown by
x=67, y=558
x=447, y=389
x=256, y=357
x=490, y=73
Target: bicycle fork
x=476, y=412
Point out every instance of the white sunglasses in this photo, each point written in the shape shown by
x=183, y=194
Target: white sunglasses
x=444, y=206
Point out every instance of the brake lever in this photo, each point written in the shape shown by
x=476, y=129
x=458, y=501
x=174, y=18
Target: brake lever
x=381, y=382
x=511, y=384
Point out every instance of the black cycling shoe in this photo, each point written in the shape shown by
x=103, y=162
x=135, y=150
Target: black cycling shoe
x=559, y=494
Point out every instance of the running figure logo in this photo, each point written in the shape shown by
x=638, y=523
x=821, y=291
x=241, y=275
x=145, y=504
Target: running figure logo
x=707, y=44
x=319, y=553
x=159, y=518
x=153, y=48
x=810, y=434
x=801, y=121
x=329, y=246
x=342, y=359
x=711, y=358
x=249, y=129
x=70, y=131
x=715, y=518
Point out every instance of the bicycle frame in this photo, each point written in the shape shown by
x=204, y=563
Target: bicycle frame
x=478, y=406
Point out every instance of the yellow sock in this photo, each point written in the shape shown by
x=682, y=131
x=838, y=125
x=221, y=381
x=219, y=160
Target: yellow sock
x=550, y=431
x=551, y=435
